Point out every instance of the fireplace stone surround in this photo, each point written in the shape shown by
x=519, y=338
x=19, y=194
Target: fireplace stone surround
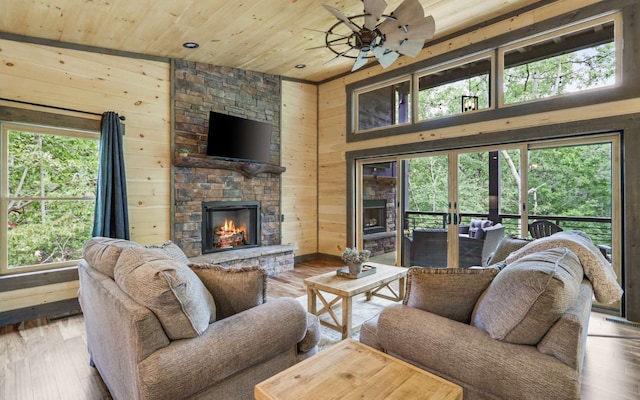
x=200, y=88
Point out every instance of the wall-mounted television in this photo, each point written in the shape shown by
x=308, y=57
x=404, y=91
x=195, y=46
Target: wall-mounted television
x=238, y=139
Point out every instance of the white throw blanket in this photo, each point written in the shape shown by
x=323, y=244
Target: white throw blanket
x=596, y=267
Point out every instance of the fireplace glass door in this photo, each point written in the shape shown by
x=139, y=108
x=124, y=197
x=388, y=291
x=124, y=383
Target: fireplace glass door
x=230, y=225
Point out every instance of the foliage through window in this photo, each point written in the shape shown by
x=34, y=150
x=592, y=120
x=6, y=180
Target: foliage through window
x=565, y=63
x=575, y=58
x=48, y=192
x=444, y=92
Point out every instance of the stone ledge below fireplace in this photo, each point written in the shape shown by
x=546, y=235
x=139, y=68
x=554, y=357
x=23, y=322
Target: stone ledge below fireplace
x=273, y=259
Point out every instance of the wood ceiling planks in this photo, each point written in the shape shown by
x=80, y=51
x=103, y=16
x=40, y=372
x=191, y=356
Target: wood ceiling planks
x=267, y=36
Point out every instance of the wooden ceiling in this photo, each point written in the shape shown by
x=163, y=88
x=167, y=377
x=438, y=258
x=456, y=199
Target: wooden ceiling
x=268, y=36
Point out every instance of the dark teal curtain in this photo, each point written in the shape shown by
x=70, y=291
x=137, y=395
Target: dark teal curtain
x=111, y=218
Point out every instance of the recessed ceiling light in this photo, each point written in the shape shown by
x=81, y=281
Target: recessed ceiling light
x=190, y=45
x=300, y=66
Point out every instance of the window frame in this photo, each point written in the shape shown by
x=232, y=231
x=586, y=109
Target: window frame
x=370, y=88
x=5, y=127
x=625, y=61
x=489, y=54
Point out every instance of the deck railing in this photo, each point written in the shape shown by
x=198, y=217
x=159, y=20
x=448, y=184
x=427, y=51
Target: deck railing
x=598, y=228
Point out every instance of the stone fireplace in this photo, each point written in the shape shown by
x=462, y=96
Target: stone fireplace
x=199, y=180
x=228, y=225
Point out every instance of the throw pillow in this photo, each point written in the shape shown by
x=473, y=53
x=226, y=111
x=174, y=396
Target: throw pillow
x=234, y=289
x=102, y=253
x=167, y=287
x=172, y=251
x=448, y=292
x=506, y=246
x=528, y=296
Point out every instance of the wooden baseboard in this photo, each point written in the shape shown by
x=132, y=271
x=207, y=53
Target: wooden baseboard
x=49, y=310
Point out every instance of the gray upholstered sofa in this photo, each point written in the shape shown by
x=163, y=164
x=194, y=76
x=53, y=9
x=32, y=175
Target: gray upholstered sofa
x=159, y=329
x=516, y=330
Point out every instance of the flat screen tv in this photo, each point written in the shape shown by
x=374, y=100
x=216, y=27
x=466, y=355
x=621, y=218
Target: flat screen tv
x=239, y=139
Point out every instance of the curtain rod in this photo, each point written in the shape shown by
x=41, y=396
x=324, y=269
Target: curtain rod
x=122, y=117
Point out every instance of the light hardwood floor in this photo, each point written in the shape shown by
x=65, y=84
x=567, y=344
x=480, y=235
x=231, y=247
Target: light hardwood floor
x=47, y=359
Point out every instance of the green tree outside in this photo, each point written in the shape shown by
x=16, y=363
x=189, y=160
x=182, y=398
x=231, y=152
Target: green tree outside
x=51, y=184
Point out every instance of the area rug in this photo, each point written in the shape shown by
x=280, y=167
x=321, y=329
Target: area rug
x=362, y=311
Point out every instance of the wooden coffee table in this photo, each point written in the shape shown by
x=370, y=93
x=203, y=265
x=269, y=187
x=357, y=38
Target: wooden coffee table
x=352, y=370
x=345, y=289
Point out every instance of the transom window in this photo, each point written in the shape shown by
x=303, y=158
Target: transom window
x=567, y=61
x=48, y=189
x=576, y=58
x=384, y=105
x=455, y=88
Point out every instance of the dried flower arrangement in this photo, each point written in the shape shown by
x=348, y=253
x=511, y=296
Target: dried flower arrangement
x=352, y=255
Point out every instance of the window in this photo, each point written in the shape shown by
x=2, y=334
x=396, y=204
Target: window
x=565, y=61
x=48, y=191
x=383, y=106
x=455, y=88
x=560, y=62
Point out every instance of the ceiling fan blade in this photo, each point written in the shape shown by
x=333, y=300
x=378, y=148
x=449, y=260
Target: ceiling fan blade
x=373, y=10
x=385, y=57
x=423, y=29
x=407, y=47
x=360, y=61
x=326, y=32
x=343, y=18
x=337, y=56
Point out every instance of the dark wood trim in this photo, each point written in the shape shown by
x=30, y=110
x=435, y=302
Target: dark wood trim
x=631, y=220
x=51, y=310
x=80, y=47
x=629, y=90
x=39, y=278
x=13, y=114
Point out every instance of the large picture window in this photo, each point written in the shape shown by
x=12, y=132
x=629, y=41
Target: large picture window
x=47, y=194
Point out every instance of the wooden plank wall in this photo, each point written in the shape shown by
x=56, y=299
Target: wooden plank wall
x=138, y=89
x=299, y=155
x=332, y=146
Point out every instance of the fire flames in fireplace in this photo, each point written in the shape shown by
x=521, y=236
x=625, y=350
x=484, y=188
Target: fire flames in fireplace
x=227, y=235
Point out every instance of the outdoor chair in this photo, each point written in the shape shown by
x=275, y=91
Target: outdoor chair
x=543, y=228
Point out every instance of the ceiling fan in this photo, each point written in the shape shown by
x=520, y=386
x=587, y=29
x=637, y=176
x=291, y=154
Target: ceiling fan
x=365, y=36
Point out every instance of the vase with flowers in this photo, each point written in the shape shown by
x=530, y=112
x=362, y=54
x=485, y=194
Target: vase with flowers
x=354, y=259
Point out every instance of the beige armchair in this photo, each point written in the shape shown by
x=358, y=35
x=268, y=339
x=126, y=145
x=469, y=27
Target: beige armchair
x=159, y=329
x=518, y=333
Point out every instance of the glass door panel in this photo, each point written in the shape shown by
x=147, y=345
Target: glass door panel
x=570, y=187
x=472, y=200
x=487, y=202
x=379, y=213
x=426, y=211
x=510, y=191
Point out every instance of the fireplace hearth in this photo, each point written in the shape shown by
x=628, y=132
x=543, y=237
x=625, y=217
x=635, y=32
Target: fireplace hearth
x=228, y=225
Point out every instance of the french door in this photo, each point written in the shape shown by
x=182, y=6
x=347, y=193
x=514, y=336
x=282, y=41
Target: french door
x=573, y=183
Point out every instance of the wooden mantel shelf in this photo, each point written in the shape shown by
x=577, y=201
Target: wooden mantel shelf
x=248, y=169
